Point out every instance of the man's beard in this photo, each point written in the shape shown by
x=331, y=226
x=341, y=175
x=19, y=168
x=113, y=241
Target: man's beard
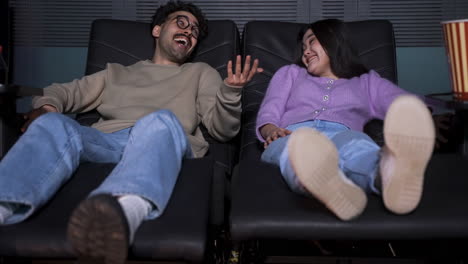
x=175, y=55
x=178, y=57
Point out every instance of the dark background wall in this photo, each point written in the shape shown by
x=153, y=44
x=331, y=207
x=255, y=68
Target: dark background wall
x=4, y=22
x=50, y=37
x=4, y=30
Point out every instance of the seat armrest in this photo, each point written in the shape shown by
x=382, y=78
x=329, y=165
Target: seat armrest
x=8, y=118
x=88, y=118
x=23, y=91
x=10, y=121
x=19, y=90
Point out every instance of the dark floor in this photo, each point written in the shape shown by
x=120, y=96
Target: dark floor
x=324, y=252
x=356, y=252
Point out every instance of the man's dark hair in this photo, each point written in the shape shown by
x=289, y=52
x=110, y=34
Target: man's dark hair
x=333, y=35
x=173, y=6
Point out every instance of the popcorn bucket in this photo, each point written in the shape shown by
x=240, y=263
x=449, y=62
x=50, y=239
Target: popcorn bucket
x=456, y=46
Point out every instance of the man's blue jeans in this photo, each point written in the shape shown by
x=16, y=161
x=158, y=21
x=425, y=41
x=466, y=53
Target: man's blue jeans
x=148, y=156
x=358, y=154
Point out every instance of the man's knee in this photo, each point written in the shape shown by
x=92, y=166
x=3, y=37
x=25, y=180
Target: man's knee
x=164, y=114
x=52, y=121
x=161, y=119
x=161, y=126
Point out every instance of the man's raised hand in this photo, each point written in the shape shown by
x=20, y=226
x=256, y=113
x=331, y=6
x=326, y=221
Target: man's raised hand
x=241, y=76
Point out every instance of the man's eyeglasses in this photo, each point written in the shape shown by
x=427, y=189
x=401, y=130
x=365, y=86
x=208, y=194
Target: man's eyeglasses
x=183, y=23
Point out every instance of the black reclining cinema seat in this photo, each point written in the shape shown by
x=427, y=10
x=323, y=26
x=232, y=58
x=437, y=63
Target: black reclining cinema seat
x=264, y=209
x=195, y=209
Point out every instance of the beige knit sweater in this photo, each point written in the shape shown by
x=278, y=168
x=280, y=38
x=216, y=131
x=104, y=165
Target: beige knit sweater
x=194, y=92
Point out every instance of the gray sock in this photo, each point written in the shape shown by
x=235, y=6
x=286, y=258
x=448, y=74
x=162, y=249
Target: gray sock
x=136, y=209
x=6, y=210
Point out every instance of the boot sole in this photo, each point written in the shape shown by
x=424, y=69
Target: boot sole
x=98, y=231
x=409, y=136
x=314, y=159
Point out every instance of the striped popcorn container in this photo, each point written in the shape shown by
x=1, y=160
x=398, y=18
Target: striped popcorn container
x=456, y=45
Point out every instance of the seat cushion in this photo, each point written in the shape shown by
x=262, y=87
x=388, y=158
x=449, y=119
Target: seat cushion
x=179, y=234
x=263, y=207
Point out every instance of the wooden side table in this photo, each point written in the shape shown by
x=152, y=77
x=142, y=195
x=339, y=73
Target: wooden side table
x=460, y=108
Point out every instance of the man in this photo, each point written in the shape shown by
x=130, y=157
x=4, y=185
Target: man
x=151, y=116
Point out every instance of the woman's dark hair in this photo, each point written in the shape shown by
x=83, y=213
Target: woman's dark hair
x=173, y=6
x=333, y=36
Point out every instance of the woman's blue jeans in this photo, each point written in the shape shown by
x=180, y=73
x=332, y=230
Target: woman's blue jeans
x=148, y=156
x=358, y=154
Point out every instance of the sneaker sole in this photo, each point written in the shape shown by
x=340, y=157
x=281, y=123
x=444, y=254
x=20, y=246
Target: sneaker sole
x=314, y=159
x=98, y=230
x=410, y=136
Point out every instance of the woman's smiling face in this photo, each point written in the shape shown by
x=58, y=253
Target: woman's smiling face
x=314, y=57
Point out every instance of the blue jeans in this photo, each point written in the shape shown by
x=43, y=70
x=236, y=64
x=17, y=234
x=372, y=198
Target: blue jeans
x=148, y=156
x=358, y=154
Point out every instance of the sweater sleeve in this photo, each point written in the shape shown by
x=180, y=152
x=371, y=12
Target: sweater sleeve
x=79, y=95
x=274, y=103
x=382, y=92
x=218, y=105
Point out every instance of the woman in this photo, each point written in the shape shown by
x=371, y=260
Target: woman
x=311, y=122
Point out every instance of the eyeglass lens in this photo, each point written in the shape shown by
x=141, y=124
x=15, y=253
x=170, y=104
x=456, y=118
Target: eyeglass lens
x=183, y=23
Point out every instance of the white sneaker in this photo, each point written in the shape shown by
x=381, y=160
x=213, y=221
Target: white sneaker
x=409, y=141
x=314, y=159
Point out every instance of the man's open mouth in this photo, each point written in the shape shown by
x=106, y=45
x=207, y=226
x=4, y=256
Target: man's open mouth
x=182, y=40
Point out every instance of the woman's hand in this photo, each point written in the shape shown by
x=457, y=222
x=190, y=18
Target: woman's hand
x=241, y=76
x=271, y=133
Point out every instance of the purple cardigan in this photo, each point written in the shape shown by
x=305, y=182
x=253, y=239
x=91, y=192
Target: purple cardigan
x=295, y=96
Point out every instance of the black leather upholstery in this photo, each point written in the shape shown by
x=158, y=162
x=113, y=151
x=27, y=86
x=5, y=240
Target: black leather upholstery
x=127, y=42
x=181, y=233
x=275, y=44
x=263, y=207
x=170, y=237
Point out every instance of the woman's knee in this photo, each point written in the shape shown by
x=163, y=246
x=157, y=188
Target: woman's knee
x=345, y=137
